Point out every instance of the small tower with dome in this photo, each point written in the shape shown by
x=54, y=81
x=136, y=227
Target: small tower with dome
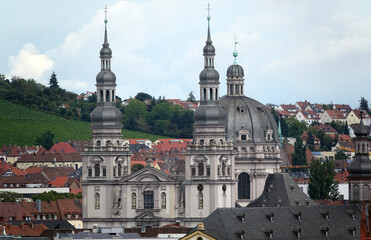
x=360, y=168
x=105, y=160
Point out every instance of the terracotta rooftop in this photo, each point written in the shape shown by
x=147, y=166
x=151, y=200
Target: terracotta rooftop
x=62, y=147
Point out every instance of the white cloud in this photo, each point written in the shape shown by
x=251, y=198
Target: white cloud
x=29, y=63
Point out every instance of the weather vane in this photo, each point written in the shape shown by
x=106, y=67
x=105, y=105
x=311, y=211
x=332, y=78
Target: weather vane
x=105, y=14
x=235, y=53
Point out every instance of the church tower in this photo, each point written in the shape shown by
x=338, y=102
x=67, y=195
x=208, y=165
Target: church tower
x=105, y=160
x=209, y=165
x=360, y=168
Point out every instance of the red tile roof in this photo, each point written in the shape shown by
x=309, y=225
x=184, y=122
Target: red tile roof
x=341, y=137
x=325, y=128
x=290, y=149
x=14, y=210
x=48, y=157
x=25, y=230
x=62, y=147
x=58, y=182
x=33, y=170
x=335, y=114
x=17, y=171
x=53, y=172
x=72, y=207
x=303, y=105
x=357, y=112
x=289, y=108
x=166, y=145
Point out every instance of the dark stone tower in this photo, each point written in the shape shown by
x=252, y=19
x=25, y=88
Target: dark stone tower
x=360, y=168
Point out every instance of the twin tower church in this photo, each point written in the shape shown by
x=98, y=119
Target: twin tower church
x=235, y=146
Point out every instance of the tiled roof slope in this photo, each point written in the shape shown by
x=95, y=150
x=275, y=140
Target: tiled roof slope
x=281, y=190
x=285, y=222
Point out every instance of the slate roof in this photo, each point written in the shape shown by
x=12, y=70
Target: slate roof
x=312, y=222
x=281, y=190
x=50, y=224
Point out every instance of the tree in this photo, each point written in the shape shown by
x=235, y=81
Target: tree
x=46, y=139
x=134, y=116
x=363, y=104
x=322, y=184
x=299, y=157
x=340, y=155
x=9, y=196
x=143, y=96
x=295, y=127
x=53, y=82
x=53, y=195
x=191, y=97
x=136, y=167
x=310, y=140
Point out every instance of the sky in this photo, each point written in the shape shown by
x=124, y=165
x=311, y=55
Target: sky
x=313, y=50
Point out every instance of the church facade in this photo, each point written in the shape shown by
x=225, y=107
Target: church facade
x=235, y=146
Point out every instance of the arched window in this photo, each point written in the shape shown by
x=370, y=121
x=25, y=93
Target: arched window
x=99, y=143
x=101, y=96
x=113, y=95
x=356, y=196
x=216, y=94
x=231, y=89
x=200, y=200
x=119, y=169
x=97, y=201
x=133, y=201
x=163, y=200
x=223, y=168
x=97, y=169
x=365, y=192
x=204, y=94
x=200, y=169
x=237, y=90
x=363, y=148
x=244, y=186
x=202, y=142
x=241, y=89
x=211, y=94
x=107, y=96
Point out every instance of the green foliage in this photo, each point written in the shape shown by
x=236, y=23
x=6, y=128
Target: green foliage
x=143, y=96
x=322, y=184
x=363, y=104
x=310, y=140
x=340, y=127
x=53, y=195
x=136, y=167
x=46, y=139
x=53, y=82
x=340, y=155
x=9, y=196
x=295, y=127
x=191, y=97
x=326, y=141
x=299, y=157
x=19, y=125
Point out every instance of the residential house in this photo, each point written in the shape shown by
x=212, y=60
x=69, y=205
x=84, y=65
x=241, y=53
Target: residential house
x=317, y=142
x=23, y=230
x=332, y=115
x=184, y=104
x=308, y=117
x=50, y=160
x=344, y=108
x=327, y=129
x=62, y=147
x=52, y=172
x=354, y=117
x=290, y=109
x=13, y=211
x=315, y=107
x=167, y=145
x=302, y=105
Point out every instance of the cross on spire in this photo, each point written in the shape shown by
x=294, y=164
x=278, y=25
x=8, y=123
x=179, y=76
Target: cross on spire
x=105, y=13
x=208, y=9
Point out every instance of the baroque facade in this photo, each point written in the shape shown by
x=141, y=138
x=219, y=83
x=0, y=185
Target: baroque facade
x=235, y=146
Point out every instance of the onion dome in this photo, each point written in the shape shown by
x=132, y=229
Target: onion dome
x=209, y=115
x=361, y=165
x=107, y=78
x=235, y=70
x=209, y=75
x=105, y=52
x=106, y=116
x=209, y=49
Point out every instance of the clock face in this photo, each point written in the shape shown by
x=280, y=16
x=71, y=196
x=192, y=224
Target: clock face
x=200, y=187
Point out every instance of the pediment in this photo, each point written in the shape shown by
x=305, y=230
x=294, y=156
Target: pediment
x=148, y=175
x=146, y=215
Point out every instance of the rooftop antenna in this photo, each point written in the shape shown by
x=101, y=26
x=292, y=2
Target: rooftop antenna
x=235, y=53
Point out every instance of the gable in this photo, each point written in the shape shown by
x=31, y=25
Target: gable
x=148, y=174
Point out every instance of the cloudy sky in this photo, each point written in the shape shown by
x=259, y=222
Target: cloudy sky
x=291, y=50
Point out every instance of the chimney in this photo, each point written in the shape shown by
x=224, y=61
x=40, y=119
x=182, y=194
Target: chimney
x=38, y=205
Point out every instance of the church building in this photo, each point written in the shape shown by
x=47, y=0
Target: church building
x=235, y=147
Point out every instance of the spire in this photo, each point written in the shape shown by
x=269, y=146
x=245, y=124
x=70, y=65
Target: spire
x=235, y=53
x=208, y=24
x=361, y=131
x=105, y=44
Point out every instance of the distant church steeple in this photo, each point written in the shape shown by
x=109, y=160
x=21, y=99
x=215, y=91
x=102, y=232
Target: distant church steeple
x=235, y=75
x=106, y=119
x=209, y=114
x=360, y=168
